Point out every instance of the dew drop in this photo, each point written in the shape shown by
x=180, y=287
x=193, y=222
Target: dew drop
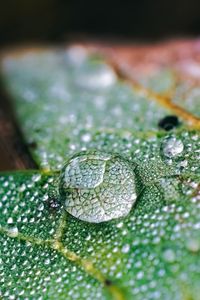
x=169, y=255
x=10, y=221
x=36, y=177
x=193, y=245
x=125, y=248
x=86, y=137
x=13, y=232
x=98, y=78
x=97, y=186
x=22, y=188
x=47, y=261
x=183, y=164
x=41, y=207
x=76, y=55
x=119, y=225
x=172, y=147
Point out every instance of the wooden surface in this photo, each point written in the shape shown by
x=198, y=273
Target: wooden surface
x=14, y=154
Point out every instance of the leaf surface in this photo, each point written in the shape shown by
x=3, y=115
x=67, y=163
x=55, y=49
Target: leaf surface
x=69, y=101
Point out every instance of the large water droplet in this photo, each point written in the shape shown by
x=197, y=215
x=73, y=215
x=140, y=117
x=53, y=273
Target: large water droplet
x=172, y=147
x=98, y=186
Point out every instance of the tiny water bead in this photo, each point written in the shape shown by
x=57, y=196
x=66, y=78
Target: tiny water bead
x=97, y=186
x=171, y=147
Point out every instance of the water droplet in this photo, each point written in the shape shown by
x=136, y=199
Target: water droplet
x=41, y=207
x=119, y=225
x=125, y=248
x=47, y=261
x=183, y=164
x=13, y=232
x=169, y=255
x=100, y=77
x=86, y=137
x=193, y=245
x=10, y=220
x=172, y=147
x=36, y=177
x=22, y=188
x=97, y=186
x=76, y=55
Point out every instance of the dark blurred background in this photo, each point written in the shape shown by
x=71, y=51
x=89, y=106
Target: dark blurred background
x=56, y=20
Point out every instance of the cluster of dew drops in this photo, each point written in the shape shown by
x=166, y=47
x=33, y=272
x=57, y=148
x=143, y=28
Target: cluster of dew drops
x=73, y=178
x=93, y=173
x=88, y=180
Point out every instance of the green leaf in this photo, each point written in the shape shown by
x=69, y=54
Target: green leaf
x=33, y=264
x=65, y=106
x=61, y=106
